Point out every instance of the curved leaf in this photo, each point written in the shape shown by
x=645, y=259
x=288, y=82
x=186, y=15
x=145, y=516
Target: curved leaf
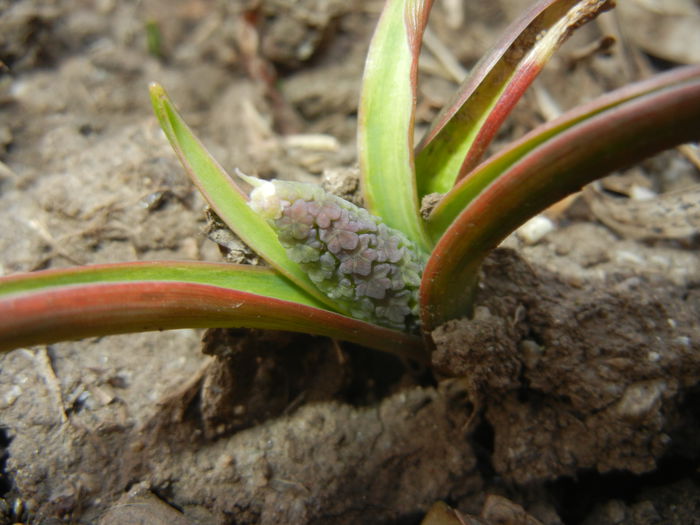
x=225, y=197
x=454, y=202
x=386, y=117
x=92, y=301
x=467, y=125
x=558, y=167
x=242, y=277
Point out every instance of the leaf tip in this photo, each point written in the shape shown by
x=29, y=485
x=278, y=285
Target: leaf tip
x=159, y=99
x=156, y=90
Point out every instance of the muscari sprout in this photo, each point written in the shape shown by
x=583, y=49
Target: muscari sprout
x=369, y=269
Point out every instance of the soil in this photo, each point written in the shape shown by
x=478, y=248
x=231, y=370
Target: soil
x=569, y=397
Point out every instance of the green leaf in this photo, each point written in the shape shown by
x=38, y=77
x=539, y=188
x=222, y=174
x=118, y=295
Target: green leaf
x=466, y=126
x=245, y=278
x=386, y=117
x=454, y=202
x=57, y=305
x=225, y=197
x=558, y=167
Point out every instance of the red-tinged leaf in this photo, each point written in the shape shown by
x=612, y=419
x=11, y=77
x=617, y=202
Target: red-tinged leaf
x=558, y=167
x=69, y=312
x=224, y=195
x=386, y=117
x=454, y=202
x=463, y=130
x=244, y=278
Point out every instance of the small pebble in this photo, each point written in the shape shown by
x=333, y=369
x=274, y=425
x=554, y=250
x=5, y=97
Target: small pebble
x=640, y=193
x=628, y=257
x=316, y=142
x=534, y=230
x=11, y=396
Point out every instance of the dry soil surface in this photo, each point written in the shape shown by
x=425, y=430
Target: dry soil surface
x=571, y=396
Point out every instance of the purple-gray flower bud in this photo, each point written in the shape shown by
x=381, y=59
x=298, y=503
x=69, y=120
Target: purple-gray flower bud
x=369, y=269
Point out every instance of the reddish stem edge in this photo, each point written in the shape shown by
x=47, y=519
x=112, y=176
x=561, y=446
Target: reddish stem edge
x=483, y=68
x=77, y=311
x=603, y=103
x=559, y=167
x=524, y=77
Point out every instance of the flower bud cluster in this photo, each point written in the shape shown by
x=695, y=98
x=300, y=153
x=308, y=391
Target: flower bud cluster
x=371, y=270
